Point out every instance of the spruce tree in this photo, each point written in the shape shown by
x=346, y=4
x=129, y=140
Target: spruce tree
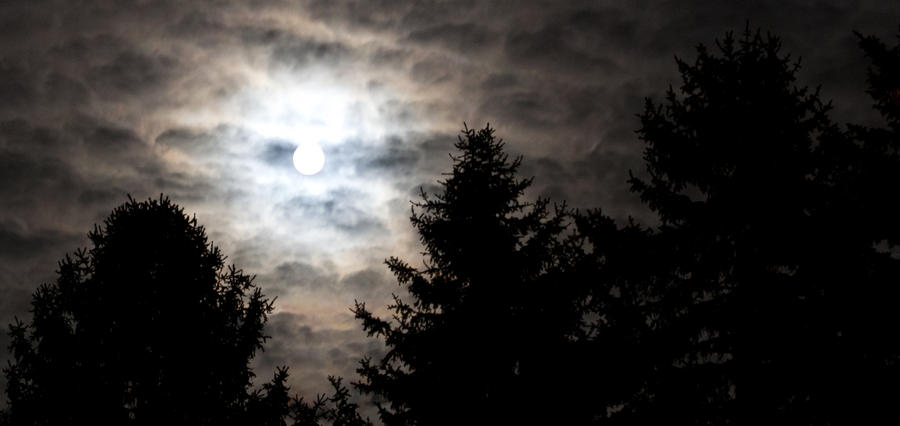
x=775, y=300
x=484, y=334
x=146, y=327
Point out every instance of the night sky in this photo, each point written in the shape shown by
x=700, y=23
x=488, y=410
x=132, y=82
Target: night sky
x=206, y=101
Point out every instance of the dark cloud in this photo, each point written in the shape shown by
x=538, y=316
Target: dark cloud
x=388, y=56
x=299, y=275
x=199, y=25
x=373, y=14
x=590, y=28
x=28, y=181
x=133, y=73
x=304, y=52
x=64, y=90
x=278, y=153
x=294, y=277
x=185, y=139
x=369, y=284
x=312, y=352
x=103, y=196
x=463, y=37
x=551, y=49
x=183, y=187
x=597, y=180
x=395, y=159
x=526, y=109
x=496, y=81
x=20, y=135
x=111, y=139
x=431, y=71
x=84, y=50
x=16, y=23
x=202, y=142
x=16, y=85
x=17, y=243
x=393, y=156
x=343, y=209
x=400, y=111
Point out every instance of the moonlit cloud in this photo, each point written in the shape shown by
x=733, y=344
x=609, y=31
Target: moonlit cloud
x=205, y=102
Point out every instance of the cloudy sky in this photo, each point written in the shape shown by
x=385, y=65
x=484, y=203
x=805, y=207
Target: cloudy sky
x=206, y=101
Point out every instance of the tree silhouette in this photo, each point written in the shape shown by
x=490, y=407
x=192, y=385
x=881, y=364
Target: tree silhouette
x=336, y=410
x=492, y=320
x=145, y=327
x=773, y=284
x=871, y=163
x=884, y=78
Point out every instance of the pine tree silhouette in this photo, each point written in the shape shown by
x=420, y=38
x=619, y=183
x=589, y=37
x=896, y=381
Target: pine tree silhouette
x=146, y=327
x=487, y=331
x=773, y=302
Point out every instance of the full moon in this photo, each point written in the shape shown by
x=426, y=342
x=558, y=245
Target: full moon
x=309, y=158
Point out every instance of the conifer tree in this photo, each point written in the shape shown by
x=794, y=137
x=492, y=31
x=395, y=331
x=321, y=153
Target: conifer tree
x=146, y=327
x=490, y=318
x=775, y=302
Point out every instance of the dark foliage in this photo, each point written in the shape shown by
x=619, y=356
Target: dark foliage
x=763, y=297
x=770, y=292
x=884, y=78
x=871, y=165
x=336, y=410
x=491, y=321
x=146, y=327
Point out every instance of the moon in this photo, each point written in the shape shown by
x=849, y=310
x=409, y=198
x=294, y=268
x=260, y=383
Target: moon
x=309, y=158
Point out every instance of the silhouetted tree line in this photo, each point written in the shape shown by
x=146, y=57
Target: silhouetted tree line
x=766, y=294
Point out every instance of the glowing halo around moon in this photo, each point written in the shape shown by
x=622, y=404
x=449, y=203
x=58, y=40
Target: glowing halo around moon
x=309, y=158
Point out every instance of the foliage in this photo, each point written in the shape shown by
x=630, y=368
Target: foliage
x=145, y=327
x=491, y=317
x=336, y=410
x=773, y=290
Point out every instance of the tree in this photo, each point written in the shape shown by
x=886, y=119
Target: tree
x=875, y=154
x=336, y=410
x=773, y=290
x=883, y=78
x=492, y=319
x=145, y=327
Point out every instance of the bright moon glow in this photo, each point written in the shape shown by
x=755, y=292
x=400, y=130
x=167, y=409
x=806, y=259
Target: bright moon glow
x=309, y=158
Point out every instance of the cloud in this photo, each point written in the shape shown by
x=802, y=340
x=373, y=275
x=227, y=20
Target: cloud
x=388, y=56
x=521, y=109
x=20, y=243
x=65, y=90
x=463, y=37
x=304, y=276
x=16, y=85
x=150, y=97
x=202, y=25
x=373, y=285
x=303, y=52
x=550, y=50
x=113, y=140
x=496, y=81
x=188, y=140
x=133, y=73
x=395, y=156
x=278, y=153
x=343, y=209
x=431, y=71
x=312, y=352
